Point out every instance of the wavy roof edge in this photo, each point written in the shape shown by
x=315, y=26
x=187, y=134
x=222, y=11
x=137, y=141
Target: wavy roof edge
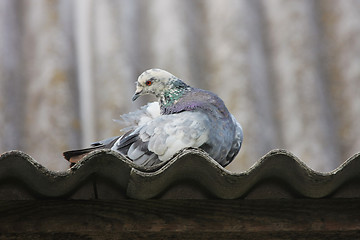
x=194, y=166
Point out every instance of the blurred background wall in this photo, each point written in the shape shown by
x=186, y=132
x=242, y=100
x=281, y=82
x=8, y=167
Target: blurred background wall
x=289, y=70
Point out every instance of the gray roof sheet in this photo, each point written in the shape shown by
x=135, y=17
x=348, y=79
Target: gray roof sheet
x=105, y=174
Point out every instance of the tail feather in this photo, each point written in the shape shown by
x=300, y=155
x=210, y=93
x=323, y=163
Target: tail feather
x=74, y=153
x=74, y=156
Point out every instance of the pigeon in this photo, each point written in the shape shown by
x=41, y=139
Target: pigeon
x=183, y=117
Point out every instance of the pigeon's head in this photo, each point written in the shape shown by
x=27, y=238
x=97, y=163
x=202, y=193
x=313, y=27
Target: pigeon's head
x=157, y=82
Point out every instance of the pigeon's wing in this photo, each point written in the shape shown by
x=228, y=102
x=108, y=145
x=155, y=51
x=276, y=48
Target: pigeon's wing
x=131, y=120
x=236, y=144
x=140, y=117
x=159, y=139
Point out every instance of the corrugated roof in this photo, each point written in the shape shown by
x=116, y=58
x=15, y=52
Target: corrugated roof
x=105, y=174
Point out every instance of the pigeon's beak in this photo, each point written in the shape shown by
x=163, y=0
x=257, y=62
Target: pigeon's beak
x=136, y=95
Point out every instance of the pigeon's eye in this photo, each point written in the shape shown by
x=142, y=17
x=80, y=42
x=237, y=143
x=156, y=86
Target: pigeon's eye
x=148, y=83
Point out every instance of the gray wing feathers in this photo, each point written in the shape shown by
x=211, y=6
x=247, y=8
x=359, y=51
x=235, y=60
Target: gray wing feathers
x=159, y=139
x=236, y=144
x=225, y=140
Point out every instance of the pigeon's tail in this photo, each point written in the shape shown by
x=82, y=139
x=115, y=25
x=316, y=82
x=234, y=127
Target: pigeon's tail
x=73, y=156
x=75, y=153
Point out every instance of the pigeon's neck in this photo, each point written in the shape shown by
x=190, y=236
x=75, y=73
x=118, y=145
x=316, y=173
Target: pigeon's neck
x=171, y=95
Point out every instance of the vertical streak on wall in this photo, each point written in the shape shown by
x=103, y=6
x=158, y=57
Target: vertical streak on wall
x=168, y=39
x=48, y=107
x=11, y=78
x=84, y=60
x=261, y=81
x=301, y=103
x=66, y=21
x=114, y=49
x=342, y=41
x=195, y=20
